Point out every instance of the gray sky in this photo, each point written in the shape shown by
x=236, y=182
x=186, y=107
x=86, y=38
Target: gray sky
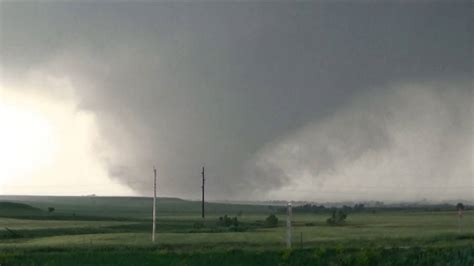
x=308, y=100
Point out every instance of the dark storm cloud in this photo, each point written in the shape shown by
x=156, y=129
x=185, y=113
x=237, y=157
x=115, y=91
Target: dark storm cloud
x=180, y=85
x=413, y=141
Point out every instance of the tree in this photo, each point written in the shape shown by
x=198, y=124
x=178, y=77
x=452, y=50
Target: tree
x=338, y=217
x=271, y=221
x=51, y=209
x=227, y=221
x=359, y=207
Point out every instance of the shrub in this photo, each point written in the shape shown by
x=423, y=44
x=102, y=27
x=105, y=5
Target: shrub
x=338, y=217
x=227, y=221
x=271, y=221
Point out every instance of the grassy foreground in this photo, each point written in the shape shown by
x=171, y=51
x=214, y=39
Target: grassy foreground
x=116, y=231
x=321, y=256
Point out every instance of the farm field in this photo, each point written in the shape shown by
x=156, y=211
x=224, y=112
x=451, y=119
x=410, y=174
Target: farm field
x=117, y=230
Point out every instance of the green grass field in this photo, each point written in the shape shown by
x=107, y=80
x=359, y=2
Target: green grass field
x=114, y=231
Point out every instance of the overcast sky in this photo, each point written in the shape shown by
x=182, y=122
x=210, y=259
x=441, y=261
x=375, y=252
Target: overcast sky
x=350, y=100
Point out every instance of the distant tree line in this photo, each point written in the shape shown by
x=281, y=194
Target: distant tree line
x=310, y=208
x=360, y=207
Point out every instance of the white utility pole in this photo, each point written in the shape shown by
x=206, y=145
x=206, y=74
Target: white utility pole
x=202, y=202
x=154, y=206
x=288, y=227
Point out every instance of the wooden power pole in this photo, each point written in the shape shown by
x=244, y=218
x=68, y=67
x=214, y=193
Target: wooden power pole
x=154, y=206
x=202, y=202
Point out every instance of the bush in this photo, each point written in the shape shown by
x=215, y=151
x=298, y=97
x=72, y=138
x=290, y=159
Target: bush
x=271, y=221
x=227, y=221
x=338, y=217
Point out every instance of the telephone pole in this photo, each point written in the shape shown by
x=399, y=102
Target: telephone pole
x=288, y=227
x=154, y=206
x=202, y=203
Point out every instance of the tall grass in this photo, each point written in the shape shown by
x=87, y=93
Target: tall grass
x=321, y=256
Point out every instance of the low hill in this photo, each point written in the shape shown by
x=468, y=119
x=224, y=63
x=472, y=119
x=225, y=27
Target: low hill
x=8, y=208
x=128, y=207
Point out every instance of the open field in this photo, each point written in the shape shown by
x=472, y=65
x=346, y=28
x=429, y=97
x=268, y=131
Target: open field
x=117, y=230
